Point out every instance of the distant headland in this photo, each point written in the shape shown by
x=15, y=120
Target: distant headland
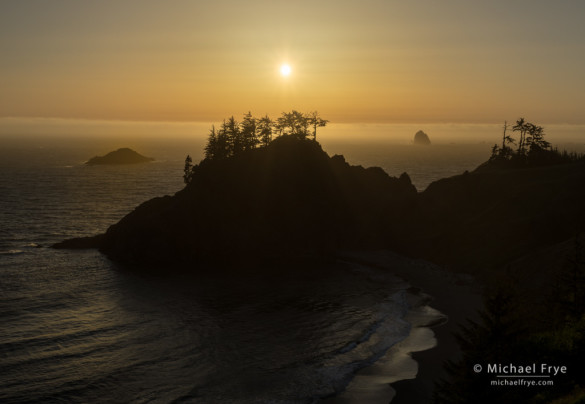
x=120, y=156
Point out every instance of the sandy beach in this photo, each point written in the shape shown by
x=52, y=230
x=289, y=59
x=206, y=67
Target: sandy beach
x=441, y=302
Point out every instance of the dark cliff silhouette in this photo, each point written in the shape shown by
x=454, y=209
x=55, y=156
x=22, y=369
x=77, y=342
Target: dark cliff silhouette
x=516, y=223
x=517, y=202
x=289, y=199
x=512, y=225
x=120, y=156
x=483, y=219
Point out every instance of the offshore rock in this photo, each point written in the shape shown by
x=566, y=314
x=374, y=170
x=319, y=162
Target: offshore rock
x=421, y=138
x=120, y=156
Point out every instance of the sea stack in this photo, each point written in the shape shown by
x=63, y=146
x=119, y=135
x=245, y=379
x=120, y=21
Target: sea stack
x=120, y=156
x=421, y=138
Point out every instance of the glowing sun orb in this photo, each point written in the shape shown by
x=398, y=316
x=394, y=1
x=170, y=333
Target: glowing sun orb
x=285, y=70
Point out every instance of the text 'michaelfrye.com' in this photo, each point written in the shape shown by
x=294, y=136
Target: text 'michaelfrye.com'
x=526, y=375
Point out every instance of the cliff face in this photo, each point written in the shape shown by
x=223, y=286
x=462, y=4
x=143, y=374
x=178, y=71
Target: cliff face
x=483, y=220
x=291, y=199
x=120, y=156
x=288, y=199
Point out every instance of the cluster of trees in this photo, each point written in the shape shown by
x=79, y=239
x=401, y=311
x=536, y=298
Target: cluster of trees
x=234, y=137
x=503, y=335
x=530, y=142
x=529, y=148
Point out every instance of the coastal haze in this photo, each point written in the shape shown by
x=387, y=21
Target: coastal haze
x=290, y=270
x=379, y=61
x=454, y=149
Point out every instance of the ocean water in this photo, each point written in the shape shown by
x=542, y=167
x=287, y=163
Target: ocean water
x=76, y=327
x=424, y=164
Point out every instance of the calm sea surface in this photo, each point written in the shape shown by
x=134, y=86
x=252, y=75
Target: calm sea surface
x=76, y=327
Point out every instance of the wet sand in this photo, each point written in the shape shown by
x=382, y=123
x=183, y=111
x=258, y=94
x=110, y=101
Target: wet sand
x=409, y=370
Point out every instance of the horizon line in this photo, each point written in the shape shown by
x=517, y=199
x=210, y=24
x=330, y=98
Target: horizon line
x=32, y=119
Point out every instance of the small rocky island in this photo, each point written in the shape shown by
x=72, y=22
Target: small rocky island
x=120, y=156
x=421, y=138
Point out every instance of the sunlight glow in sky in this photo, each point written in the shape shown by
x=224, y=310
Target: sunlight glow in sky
x=371, y=61
x=285, y=70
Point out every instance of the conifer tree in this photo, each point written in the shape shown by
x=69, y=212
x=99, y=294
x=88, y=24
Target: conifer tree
x=521, y=126
x=212, y=144
x=248, y=132
x=265, y=126
x=494, y=339
x=222, y=149
x=233, y=136
x=188, y=170
x=299, y=124
x=316, y=121
x=536, y=137
x=280, y=125
x=570, y=293
x=506, y=140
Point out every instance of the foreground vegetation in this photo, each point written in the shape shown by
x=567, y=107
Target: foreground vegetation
x=504, y=335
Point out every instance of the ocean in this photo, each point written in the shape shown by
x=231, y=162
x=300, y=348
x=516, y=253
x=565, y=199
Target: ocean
x=77, y=327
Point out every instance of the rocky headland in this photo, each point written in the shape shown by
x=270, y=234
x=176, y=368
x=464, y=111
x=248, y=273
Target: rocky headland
x=292, y=199
x=516, y=230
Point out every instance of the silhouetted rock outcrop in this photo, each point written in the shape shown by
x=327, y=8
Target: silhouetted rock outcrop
x=291, y=199
x=120, y=156
x=288, y=199
x=421, y=138
x=80, y=243
x=482, y=220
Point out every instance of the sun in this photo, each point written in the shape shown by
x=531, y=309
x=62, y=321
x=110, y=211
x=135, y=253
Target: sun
x=285, y=70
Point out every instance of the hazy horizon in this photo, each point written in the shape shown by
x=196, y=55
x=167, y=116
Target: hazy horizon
x=376, y=61
x=401, y=133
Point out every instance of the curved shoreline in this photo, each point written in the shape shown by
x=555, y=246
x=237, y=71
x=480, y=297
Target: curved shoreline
x=372, y=384
x=407, y=373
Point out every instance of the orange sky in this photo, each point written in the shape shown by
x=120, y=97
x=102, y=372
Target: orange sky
x=368, y=61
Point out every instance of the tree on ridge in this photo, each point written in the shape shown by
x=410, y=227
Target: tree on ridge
x=188, y=170
x=316, y=121
x=265, y=125
x=248, y=128
x=234, y=137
